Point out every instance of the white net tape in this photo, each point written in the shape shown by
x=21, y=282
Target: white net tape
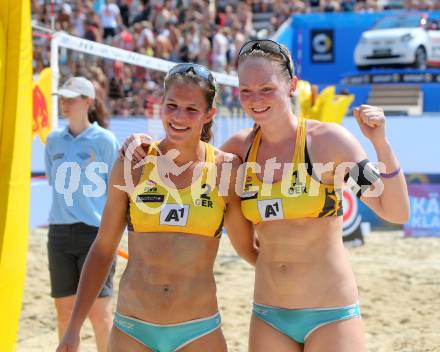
x=89, y=49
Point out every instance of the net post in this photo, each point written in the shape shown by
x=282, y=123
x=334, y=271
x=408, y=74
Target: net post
x=54, y=66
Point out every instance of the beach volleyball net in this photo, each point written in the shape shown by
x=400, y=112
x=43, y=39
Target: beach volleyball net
x=131, y=82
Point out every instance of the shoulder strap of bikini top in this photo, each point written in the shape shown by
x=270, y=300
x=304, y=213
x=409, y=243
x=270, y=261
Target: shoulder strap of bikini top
x=209, y=153
x=209, y=170
x=301, y=133
x=148, y=166
x=253, y=150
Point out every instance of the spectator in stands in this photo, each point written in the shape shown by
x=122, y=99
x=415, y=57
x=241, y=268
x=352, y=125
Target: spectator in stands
x=79, y=21
x=143, y=15
x=164, y=15
x=63, y=20
x=100, y=82
x=164, y=48
x=93, y=29
x=174, y=36
x=282, y=10
x=97, y=5
x=110, y=19
x=145, y=39
x=229, y=16
x=261, y=6
x=244, y=15
x=435, y=5
x=204, y=57
x=330, y=6
x=220, y=45
x=347, y=5
x=124, y=10
x=115, y=89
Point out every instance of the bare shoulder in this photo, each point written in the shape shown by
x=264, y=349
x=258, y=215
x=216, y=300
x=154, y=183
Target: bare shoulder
x=326, y=130
x=124, y=175
x=332, y=142
x=239, y=143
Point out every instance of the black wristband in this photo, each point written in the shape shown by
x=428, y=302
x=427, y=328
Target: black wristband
x=364, y=174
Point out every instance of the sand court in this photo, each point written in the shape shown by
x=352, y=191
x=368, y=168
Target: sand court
x=398, y=279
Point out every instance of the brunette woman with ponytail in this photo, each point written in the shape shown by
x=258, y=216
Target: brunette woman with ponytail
x=98, y=113
x=80, y=155
x=174, y=207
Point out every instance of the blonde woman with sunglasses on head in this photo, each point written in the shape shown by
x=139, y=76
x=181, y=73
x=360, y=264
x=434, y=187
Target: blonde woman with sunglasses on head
x=305, y=292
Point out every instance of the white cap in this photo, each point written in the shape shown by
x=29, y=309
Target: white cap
x=76, y=86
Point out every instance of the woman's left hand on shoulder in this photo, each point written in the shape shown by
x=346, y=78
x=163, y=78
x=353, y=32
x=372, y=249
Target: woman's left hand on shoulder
x=371, y=120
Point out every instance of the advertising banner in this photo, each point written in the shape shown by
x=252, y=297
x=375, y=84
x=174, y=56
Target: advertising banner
x=425, y=210
x=352, y=229
x=330, y=46
x=380, y=77
x=322, y=46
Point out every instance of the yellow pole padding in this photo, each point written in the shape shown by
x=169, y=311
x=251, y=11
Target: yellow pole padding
x=15, y=161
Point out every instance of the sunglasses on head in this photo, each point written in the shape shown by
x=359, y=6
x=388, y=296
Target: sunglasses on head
x=196, y=69
x=267, y=46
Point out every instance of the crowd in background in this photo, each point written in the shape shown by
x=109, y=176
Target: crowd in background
x=207, y=32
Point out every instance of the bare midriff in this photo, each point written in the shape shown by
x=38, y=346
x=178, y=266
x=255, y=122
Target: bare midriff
x=169, y=278
x=303, y=264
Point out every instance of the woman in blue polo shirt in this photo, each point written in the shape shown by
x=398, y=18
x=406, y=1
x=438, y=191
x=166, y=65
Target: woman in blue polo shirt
x=79, y=159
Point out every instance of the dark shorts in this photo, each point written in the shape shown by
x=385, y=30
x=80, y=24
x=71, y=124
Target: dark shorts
x=109, y=32
x=67, y=248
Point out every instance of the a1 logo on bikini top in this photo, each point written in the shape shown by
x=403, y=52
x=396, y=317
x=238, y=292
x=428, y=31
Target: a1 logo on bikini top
x=271, y=209
x=174, y=214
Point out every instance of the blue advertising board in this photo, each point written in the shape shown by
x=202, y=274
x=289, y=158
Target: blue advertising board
x=333, y=36
x=425, y=210
x=323, y=46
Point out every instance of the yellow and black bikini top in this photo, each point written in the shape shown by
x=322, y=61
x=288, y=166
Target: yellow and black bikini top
x=156, y=207
x=297, y=195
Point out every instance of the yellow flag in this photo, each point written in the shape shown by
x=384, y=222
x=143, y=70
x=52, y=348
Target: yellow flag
x=326, y=106
x=330, y=107
x=15, y=157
